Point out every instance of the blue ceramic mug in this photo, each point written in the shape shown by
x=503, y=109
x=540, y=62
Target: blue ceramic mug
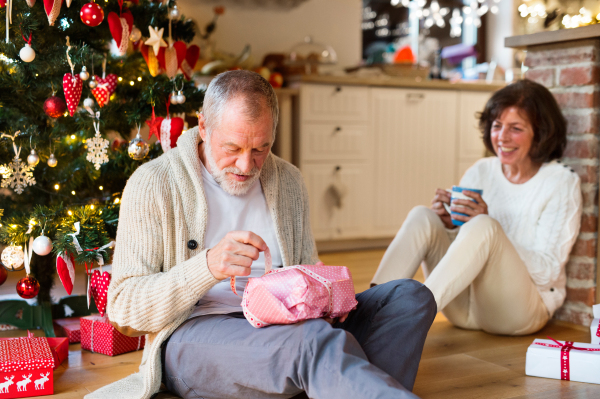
x=456, y=193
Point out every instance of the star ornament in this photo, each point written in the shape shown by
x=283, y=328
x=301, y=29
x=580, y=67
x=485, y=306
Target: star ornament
x=156, y=40
x=154, y=125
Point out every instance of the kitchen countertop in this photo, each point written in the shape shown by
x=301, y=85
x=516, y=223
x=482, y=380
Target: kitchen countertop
x=393, y=81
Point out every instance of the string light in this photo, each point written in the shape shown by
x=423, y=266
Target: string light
x=101, y=188
x=70, y=213
x=0, y=224
x=92, y=206
x=120, y=79
x=131, y=82
x=139, y=78
x=56, y=186
x=100, y=212
x=14, y=226
x=73, y=192
x=116, y=201
x=73, y=137
x=32, y=222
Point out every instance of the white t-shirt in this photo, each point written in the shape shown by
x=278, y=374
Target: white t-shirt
x=228, y=213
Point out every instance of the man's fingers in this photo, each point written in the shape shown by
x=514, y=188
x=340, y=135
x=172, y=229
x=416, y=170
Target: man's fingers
x=229, y=258
x=235, y=270
x=248, y=237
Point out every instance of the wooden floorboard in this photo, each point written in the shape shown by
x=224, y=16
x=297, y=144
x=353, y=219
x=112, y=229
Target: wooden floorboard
x=456, y=363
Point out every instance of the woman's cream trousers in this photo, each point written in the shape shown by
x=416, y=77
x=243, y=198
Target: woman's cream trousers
x=478, y=280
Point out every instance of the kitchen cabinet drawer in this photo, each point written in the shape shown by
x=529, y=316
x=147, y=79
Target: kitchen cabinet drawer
x=335, y=141
x=340, y=196
x=334, y=103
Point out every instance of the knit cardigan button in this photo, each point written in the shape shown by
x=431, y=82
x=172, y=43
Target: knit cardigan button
x=192, y=244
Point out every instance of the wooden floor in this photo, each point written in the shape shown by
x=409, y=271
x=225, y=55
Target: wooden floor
x=455, y=364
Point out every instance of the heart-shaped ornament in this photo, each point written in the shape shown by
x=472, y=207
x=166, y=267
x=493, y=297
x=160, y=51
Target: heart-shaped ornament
x=105, y=88
x=52, y=8
x=99, y=287
x=151, y=59
x=120, y=29
x=170, y=130
x=191, y=58
x=72, y=85
x=65, y=267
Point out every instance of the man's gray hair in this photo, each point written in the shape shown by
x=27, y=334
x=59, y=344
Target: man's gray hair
x=258, y=95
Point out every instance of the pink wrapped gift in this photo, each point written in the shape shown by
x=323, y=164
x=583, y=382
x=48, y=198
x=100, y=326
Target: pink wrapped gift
x=295, y=293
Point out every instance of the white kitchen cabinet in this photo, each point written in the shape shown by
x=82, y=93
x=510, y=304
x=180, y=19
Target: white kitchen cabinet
x=370, y=154
x=338, y=193
x=415, y=151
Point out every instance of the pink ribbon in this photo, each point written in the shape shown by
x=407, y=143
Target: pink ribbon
x=268, y=265
x=565, y=361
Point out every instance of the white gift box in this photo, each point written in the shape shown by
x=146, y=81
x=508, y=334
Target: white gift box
x=563, y=361
x=594, y=326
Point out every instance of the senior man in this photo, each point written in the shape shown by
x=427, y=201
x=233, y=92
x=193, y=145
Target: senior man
x=204, y=212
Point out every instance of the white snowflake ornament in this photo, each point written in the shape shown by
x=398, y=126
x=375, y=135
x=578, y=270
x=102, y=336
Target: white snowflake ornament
x=17, y=175
x=97, y=147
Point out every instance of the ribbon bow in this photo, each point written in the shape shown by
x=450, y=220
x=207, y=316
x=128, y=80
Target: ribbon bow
x=99, y=257
x=74, y=235
x=28, y=253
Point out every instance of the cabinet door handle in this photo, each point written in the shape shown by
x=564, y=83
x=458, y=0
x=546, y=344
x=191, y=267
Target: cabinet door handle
x=338, y=89
x=337, y=129
x=415, y=96
x=338, y=168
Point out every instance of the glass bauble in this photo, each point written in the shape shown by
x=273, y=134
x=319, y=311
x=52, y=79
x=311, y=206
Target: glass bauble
x=84, y=74
x=136, y=34
x=42, y=245
x=138, y=148
x=33, y=158
x=13, y=258
x=3, y=274
x=52, y=161
x=27, y=54
x=54, y=107
x=28, y=287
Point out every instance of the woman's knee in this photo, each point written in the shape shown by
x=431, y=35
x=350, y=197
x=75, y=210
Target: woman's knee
x=482, y=223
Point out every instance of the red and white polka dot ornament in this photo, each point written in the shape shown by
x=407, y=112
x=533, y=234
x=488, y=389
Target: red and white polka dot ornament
x=72, y=85
x=99, y=288
x=105, y=88
x=92, y=14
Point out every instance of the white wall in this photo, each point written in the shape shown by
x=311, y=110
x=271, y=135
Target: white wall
x=268, y=30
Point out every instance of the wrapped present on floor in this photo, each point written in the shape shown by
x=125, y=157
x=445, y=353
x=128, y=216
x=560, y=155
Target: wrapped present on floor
x=25, y=367
x=595, y=328
x=60, y=350
x=68, y=327
x=98, y=335
x=563, y=360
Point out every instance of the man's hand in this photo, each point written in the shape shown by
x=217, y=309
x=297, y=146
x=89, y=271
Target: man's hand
x=234, y=254
x=341, y=319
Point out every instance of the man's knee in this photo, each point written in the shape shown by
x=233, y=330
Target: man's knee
x=410, y=293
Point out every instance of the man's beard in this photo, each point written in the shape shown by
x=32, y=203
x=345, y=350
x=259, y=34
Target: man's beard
x=231, y=186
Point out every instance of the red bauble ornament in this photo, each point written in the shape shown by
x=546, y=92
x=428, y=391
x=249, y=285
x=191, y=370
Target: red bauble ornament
x=3, y=274
x=91, y=14
x=54, y=107
x=28, y=287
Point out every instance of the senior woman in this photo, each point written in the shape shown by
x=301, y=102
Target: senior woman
x=503, y=271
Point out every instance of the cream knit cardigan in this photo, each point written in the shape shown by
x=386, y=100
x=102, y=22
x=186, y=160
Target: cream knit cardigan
x=156, y=278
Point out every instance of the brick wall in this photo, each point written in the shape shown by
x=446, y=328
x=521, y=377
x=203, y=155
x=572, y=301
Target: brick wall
x=572, y=73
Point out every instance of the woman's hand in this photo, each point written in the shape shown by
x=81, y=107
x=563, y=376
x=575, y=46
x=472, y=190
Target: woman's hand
x=468, y=207
x=437, y=205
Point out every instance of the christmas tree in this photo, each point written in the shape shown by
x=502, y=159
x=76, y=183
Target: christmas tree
x=132, y=64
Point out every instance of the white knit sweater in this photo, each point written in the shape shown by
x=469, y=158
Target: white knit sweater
x=156, y=278
x=541, y=217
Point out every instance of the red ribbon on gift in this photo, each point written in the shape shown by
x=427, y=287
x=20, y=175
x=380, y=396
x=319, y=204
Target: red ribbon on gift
x=565, y=360
x=598, y=331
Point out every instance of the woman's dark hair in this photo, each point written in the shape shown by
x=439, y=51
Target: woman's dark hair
x=549, y=124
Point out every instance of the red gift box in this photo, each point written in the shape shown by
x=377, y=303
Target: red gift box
x=25, y=368
x=69, y=328
x=98, y=335
x=60, y=350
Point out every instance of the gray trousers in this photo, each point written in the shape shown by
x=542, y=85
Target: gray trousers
x=375, y=353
